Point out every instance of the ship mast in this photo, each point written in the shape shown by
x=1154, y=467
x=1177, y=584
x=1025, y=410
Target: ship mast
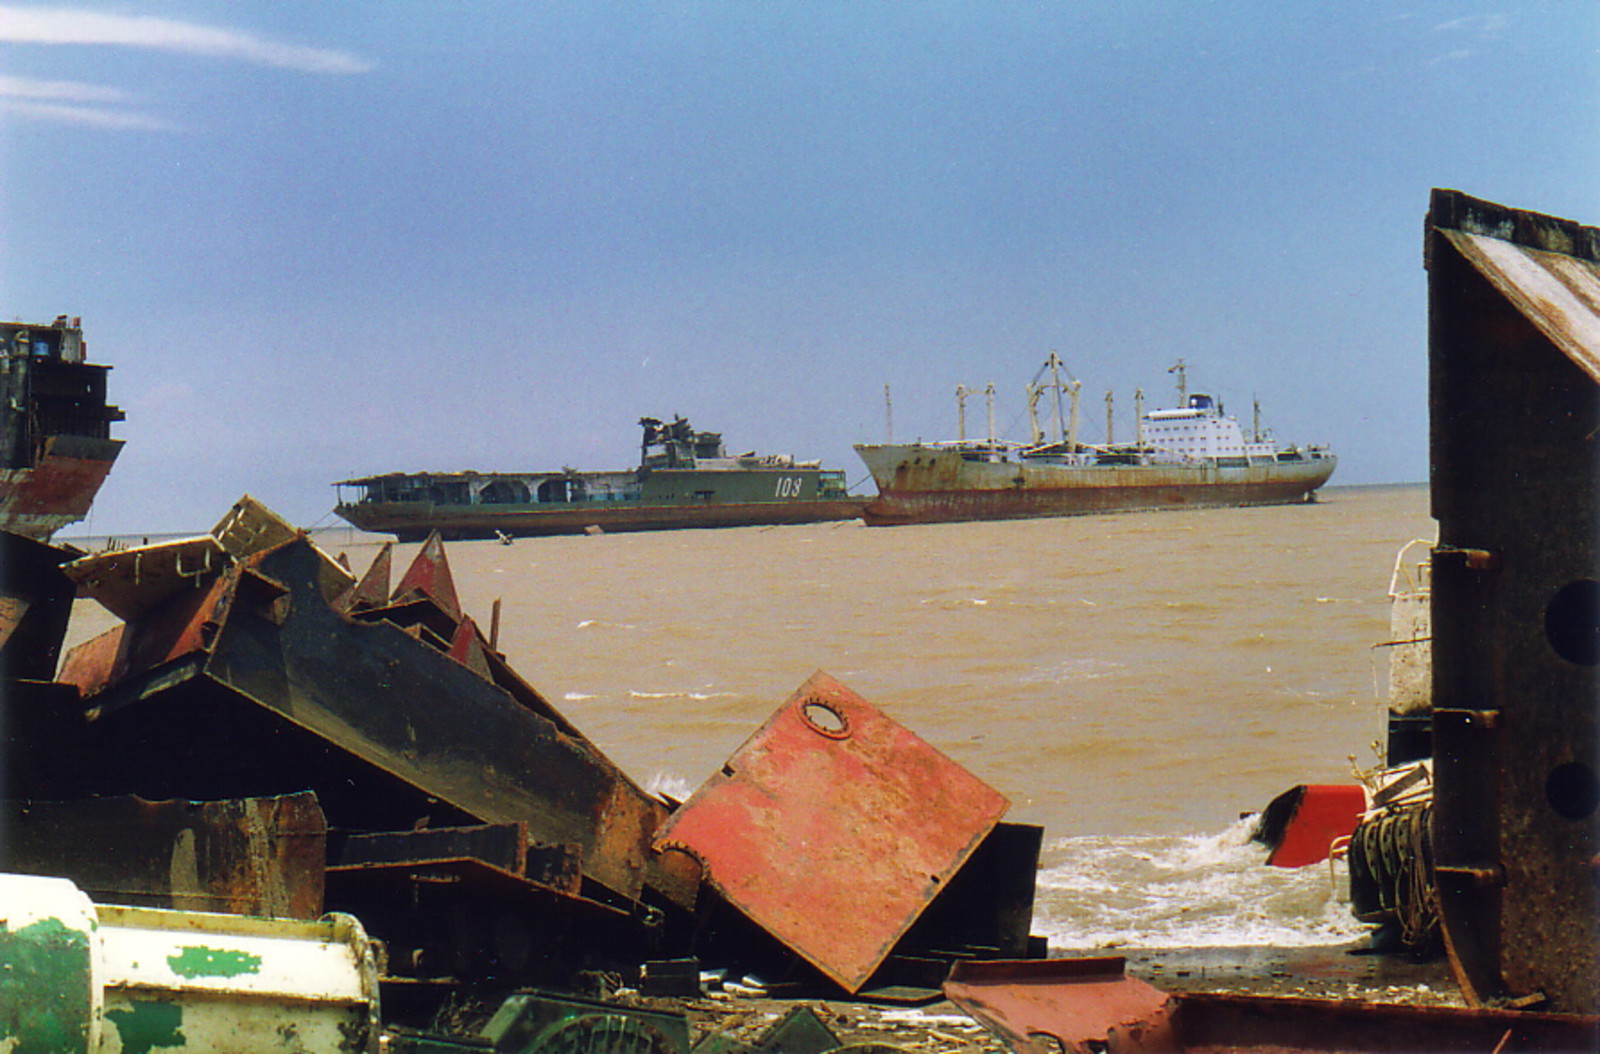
x=962, y=391
x=1138, y=417
x=888, y=413
x=989, y=395
x=1055, y=382
x=1072, y=430
x=1181, y=369
x=1109, y=418
x=1034, y=435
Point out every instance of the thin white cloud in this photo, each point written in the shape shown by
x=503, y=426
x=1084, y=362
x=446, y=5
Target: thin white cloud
x=26, y=25
x=1486, y=27
x=1470, y=30
x=90, y=116
x=75, y=102
x=69, y=91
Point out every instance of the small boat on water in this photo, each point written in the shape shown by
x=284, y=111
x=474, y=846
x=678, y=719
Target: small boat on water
x=1192, y=455
x=685, y=478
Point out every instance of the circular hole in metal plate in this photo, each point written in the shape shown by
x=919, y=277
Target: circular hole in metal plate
x=824, y=719
x=1573, y=791
x=1572, y=622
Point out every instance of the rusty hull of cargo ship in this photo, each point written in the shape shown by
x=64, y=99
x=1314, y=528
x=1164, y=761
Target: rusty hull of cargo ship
x=920, y=483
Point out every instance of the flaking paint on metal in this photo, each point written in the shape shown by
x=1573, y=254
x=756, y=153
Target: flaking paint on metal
x=200, y=961
x=45, y=1001
x=834, y=834
x=145, y=1025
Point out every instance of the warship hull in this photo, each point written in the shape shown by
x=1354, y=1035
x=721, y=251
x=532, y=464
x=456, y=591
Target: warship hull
x=414, y=521
x=685, y=478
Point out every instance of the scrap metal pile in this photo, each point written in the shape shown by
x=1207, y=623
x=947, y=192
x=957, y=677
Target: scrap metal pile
x=265, y=733
x=271, y=758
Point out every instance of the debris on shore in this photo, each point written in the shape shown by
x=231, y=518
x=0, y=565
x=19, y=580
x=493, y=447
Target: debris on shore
x=310, y=810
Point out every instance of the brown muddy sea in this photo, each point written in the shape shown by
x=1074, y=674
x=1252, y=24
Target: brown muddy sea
x=1133, y=683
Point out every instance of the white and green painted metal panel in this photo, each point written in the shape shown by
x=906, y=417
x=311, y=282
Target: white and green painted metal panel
x=101, y=979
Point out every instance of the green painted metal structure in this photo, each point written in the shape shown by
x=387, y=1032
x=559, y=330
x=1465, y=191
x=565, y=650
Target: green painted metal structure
x=81, y=978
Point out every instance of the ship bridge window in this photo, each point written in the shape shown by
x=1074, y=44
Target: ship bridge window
x=505, y=492
x=557, y=490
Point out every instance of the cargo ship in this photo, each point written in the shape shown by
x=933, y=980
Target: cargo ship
x=1190, y=456
x=55, y=427
x=685, y=478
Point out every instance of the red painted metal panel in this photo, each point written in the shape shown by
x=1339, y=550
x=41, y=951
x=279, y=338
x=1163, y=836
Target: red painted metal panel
x=833, y=827
x=1326, y=812
x=429, y=576
x=1043, y=1006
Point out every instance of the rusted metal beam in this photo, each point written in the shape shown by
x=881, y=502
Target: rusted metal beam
x=1514, y=354
x=255, y=856
x=35, y=605
x=257, y=685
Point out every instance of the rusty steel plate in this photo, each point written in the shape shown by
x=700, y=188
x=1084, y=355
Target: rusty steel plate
x=244, y=856
x=130, y=582
x=1514, y=360
x=833, y=827
x=1044, y=1006
x=1083, y=1006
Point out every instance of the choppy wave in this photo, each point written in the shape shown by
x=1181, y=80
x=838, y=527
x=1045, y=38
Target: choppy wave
x=1084, y=669
x=1186, y=892
x=594, y=623
x=669, y=785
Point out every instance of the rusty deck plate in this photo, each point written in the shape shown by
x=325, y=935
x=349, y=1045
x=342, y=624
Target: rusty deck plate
x=833, y=827
x=1080, y=1006
x=1043, y=1006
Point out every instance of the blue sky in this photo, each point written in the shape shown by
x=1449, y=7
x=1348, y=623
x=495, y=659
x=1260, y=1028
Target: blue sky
x=322, y=240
